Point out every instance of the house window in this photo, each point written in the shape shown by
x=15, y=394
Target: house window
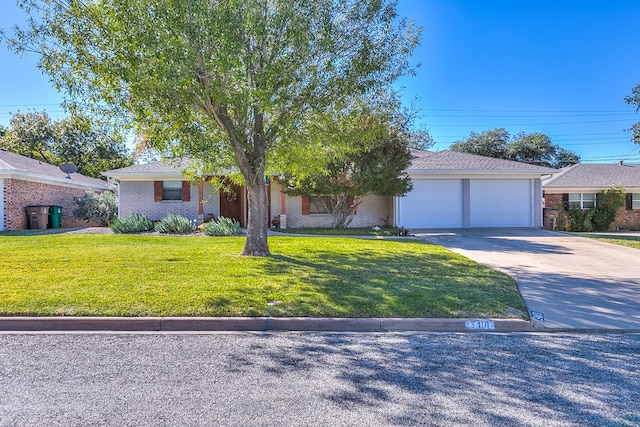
x=582, y=200
x=171, y=190
x=635, y=201
x=319, y=204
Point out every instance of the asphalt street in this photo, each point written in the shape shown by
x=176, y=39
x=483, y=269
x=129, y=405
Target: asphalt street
x=319, y=379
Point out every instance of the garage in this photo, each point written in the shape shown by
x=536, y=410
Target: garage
x=462, y=190
x=432, y=204
x=500, y=203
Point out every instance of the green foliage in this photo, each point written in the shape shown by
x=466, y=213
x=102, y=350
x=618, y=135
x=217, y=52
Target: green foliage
x=608, y=203
x=534, y=148
x=490, y=143
x=576, y=219
x=222, y=227
x=561, y=221
x=600, y=218
x=135, y=223
x=371, y=152
x=634, y=100
x=76, y=140
x=98, y=207
x=232, y=83
x=175, y=224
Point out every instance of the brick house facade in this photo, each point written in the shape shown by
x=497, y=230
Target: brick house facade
x=28, y=182
x=580, y=183
x=462, y=189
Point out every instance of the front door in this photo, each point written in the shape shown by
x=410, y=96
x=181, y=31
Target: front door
x=231, y=203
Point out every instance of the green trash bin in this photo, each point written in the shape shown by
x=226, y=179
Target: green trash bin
x=55, y=216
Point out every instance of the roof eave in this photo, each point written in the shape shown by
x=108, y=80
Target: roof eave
x=47, y=179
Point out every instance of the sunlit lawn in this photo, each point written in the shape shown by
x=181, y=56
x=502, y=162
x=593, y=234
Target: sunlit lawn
x=631, y=241
x=135, y=275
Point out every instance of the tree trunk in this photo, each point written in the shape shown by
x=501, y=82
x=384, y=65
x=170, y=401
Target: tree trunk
x=257, y=223
x=343, y=210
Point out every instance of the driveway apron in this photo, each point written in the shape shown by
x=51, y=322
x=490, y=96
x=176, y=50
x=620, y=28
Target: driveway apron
x=566, y=281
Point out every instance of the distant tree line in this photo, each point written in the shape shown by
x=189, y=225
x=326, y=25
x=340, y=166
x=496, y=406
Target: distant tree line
x=533, y=148
x=76, y=139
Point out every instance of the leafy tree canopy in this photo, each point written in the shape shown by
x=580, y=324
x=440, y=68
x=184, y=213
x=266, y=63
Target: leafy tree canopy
x=369, y=156
x=76, y=140
x=634, y=100
x=230, y=82
x=534, y=148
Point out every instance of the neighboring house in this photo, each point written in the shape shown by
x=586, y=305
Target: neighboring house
x=29, y=182
x=450, y=190
x=577, y=186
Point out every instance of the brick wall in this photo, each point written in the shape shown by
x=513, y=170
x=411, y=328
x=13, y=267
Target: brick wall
x=374, y=210
x=18, y=194
x=625, y=220
x=137, y=197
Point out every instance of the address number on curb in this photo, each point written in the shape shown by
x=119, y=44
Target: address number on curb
x=486, y=325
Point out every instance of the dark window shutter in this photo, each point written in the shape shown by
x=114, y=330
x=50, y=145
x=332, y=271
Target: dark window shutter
x=157, y=191
x=306, y=204
x=565, y=200
x=186, y=191
x=629, y=198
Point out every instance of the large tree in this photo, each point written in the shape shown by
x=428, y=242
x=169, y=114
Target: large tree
x=634, y=100
x=229, y=82
x=76, y=140
x=534, y=148
x=369, y=155
x=490, y=143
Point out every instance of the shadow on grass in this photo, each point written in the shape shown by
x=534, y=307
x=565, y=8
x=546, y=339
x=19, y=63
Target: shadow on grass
x=407, y=282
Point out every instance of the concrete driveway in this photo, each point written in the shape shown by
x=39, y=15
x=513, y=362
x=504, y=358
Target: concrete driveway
x=567, y=282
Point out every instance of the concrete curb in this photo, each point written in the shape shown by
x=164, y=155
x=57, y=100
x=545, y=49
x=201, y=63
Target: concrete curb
x=260, y=324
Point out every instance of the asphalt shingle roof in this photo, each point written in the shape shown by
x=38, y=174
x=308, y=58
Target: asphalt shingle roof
x=456, y=161
x=600, y=176
x=15, y=163
x=421, y=161
x=157, y=167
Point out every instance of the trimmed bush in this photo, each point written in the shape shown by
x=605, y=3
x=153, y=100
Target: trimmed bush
x=175, y=224
x=135, y=223
x=97, y=207
x=222, y=227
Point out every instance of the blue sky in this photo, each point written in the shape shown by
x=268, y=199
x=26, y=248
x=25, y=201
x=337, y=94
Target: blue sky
x=561, y=67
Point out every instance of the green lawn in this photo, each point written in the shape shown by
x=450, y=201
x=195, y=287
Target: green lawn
x=134, y=275
x=631, y=241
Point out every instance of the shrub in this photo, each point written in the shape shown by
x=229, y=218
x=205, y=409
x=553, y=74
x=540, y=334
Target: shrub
x=222, y=227
x=576, y=219
x=608, y=203
x=600, y=218
x=97, y=207
x=561, y=222
x=175, y=224
x=135, y=223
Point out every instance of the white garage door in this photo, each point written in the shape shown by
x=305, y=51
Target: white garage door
x=432, y=204
x=500, y=203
